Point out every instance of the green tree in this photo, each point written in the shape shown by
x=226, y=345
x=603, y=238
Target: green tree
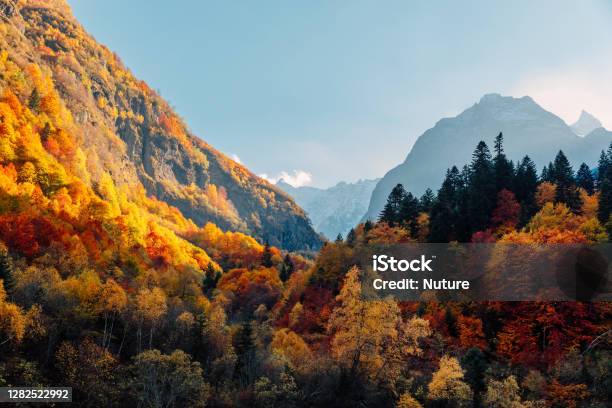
x=34, y=100
x=444, y=211
x=475, y=364
x=525, y=188
x=287, y=268
x=605, y=189
x=246, y=360
x=602, y=165
x=6, y=271
x=351, y=237
x=566, y=191
x=408, y=213
x=211, y=277
x=585, y=179
x=391, y=212
x=426, y=201
x=481, y=189
x=503, y=168
x=266, y=257
x=548, y=173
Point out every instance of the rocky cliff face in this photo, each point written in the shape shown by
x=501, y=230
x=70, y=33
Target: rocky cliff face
x=131, y=133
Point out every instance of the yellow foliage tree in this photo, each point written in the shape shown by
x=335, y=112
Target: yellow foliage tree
x=370, y=337
x=408, y=401
x=290, y=346
x=503, y=394
x=150, y=308
x=447, y=384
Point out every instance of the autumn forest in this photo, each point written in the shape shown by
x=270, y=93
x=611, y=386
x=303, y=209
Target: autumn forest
x=142, y=267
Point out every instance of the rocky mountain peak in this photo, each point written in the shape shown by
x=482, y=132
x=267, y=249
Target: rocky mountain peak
x=585, y=124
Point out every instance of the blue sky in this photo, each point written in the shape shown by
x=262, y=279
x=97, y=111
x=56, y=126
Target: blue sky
x=340, y=90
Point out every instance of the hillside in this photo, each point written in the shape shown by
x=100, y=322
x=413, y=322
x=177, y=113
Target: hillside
x=124, y=129
x=333, y=210
x=527, y=128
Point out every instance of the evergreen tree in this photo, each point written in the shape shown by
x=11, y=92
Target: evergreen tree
x=6, y=271
x=444, y=209
x=391, y=212
x=566, y=191
x=584, y=178
x=351, y=237
x=548, y=173
x=475, y=365
x=605, y=187
x=504, y=169
x=266, y=257
x=246, y=359
x=367, y=226
x=211, y=278
x=426, y=201
x=46, y=132
x=462, y=223
x=602, y=167
x=481, y=189
x=34, y=100
x=525, y=188
x=339, y=238
x=408, y=213
x=287, y=268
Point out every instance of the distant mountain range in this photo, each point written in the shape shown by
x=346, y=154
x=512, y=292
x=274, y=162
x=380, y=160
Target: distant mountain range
x=528, y=130
x=334, y=210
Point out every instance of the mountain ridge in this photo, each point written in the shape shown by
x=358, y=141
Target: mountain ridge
x=128, y=131
x=528, y=129
x=334, y=210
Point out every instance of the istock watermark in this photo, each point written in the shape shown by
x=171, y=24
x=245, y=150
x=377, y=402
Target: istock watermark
x=487, y=272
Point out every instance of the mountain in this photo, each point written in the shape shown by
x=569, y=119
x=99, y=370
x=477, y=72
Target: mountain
x=528, y=130
x=585, y=124
x=124, y=129
x=334, y=210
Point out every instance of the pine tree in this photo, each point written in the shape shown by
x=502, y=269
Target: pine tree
x=504, y=169
x=34, y=100
x=605, y=187
x=351, y=237
x=584, y=178
x=287, y=268
x=548, y=173
x=444, y=209
x=391, y=211
x=602, y=167
x=566, y=191
x=46, y=132
x=408, y=213
x=6, y=271
x=266, y=257
x=525, y=187
x=211, y=278
x=462, y=225
x=339, y=238
x=481, y=189
x=426, y=201
x=475, y=365
x=244, y=346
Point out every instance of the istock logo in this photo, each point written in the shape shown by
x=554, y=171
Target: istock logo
x=383, y=263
